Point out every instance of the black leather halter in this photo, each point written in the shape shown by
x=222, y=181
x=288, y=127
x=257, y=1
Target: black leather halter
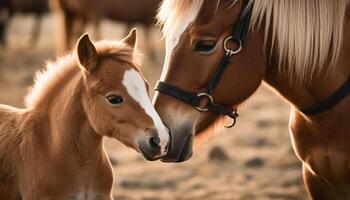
x=195, y=99
x=330, y=102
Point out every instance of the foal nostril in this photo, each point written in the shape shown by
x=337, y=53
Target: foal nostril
x=154, y=142
x=151, y=145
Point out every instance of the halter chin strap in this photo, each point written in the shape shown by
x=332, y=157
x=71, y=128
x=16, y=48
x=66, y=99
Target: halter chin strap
x=238, y=36
x=330, y=102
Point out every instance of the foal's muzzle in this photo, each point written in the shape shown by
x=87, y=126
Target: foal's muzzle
x=151, y=146
x=180, y=148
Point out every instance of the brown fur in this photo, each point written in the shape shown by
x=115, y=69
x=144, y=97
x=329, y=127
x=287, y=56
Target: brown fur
x=53, y=149
x=321, y=141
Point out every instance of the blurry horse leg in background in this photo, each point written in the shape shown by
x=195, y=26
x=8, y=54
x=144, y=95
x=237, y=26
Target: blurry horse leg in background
x=36, y=30
x=141, y=12
x=2, y=32
x=79, y=24
x=8, y=8
x=79, y=28
x=4, y=18
x=71, y=28
x=150, y=48
x=66, y=21
x=97, y=30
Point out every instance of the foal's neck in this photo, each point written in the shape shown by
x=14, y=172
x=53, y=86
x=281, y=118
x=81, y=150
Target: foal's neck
x=319, y=88
x=71, y=131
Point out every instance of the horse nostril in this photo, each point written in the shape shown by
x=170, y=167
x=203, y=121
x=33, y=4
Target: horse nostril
x=154, y=142
x=154, y=139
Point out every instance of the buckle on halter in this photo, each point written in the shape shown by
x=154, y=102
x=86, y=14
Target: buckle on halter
x=233, y=116
x=201, y=97
x=229, y=51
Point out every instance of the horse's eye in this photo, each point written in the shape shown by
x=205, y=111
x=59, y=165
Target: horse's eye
x=115, y=100
x=204, y=45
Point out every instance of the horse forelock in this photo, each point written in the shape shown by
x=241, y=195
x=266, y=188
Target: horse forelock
x=172, y=13
x=54, y=73
x=175, y=16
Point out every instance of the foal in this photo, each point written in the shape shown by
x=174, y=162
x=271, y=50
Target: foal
x=53, y=149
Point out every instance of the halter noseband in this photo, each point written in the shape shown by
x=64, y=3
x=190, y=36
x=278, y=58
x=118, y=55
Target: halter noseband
x=238, y=36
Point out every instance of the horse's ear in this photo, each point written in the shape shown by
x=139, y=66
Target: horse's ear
x=130, y=40
x=87, y=53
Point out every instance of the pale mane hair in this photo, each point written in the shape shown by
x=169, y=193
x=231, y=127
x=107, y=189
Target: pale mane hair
x=306, y=36
x=173, y=12
x=54, y=73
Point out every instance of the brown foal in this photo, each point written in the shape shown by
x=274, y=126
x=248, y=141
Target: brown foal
x=54, y=148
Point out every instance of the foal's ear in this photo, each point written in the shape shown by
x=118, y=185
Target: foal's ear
x=87, y=53
x=131, y=38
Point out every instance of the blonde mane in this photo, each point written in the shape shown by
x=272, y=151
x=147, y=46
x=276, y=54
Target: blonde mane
x=54, y=74
x=173, y=12
x=305, y=36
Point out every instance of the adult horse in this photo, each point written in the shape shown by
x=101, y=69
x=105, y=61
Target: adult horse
x=54, y=148
x=10, y=7
x=74, y=14
x=218, y=53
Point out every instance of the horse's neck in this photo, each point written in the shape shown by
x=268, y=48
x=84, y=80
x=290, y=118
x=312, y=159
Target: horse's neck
x=69, y=127
x=319, y=88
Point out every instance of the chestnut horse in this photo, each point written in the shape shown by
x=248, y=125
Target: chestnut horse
x=73, y=15
x=299, y=48
x=54, y=148
x=10, y=7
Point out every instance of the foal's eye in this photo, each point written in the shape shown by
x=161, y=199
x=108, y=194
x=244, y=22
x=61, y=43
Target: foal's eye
x=115, y=100
x=204, y=45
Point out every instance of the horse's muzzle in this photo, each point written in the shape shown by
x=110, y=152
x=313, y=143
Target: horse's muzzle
x=151, y=147
x=181, y=143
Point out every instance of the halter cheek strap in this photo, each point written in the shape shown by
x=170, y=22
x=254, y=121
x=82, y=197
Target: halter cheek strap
x=195, y=99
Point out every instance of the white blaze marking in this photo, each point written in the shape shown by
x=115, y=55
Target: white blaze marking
x=136, y=87
x=173, y=38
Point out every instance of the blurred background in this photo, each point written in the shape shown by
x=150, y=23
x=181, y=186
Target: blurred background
x=253, y=160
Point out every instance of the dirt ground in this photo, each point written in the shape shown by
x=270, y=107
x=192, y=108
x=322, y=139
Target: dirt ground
x=253, y=160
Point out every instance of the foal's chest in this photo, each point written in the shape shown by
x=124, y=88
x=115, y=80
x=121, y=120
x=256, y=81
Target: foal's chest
x=93, y=188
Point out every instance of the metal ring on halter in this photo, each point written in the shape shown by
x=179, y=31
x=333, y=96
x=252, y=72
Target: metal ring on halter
x=204, y=95
x=232, y=51
x=233, y=116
